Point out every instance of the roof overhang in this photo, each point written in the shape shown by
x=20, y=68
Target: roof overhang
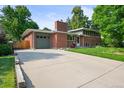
x=88, y=29
x=28, y=31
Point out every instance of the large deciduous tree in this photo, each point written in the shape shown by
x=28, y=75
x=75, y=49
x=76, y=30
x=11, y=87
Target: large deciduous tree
x=109, y=19
x=15, y=20
x=78, y=19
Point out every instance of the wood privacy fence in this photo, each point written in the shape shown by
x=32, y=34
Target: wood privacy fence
x=22, y=45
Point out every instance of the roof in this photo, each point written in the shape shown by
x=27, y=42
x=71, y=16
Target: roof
x=28, y=31
x=75, y=30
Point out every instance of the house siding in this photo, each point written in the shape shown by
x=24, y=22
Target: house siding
x=84, y=37
x=30, y=39
x=89, y=41
x=61, y=26
x=59, y=40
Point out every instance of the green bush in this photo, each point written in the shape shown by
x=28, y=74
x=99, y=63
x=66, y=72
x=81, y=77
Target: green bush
x=98, y=46
x=5, y=49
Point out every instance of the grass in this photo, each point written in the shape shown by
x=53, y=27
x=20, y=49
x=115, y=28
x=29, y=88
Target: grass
x=7, y=72
x=111, y=53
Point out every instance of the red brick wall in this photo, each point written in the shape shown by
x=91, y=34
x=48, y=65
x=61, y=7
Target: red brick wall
x=53, y=39
x=59, y=40
x=29, y=38
x=61, y=26
x=92, y=41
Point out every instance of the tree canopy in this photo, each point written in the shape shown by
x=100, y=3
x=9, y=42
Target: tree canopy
x=110, y=22
x=78, y=19
x=15, y=20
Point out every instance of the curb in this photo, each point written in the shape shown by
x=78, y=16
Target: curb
x=19, y=74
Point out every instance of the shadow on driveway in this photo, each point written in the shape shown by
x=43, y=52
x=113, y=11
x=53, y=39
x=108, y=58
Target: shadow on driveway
x=28, y=82
x=30, y=56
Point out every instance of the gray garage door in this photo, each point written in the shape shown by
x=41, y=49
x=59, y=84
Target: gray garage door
x=43, y=40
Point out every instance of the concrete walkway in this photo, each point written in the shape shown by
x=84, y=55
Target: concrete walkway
x=48, y=68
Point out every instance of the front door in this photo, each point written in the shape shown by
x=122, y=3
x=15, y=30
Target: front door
x=78, y=41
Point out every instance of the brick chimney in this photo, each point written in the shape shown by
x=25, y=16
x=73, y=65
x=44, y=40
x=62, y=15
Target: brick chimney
x=61, y=26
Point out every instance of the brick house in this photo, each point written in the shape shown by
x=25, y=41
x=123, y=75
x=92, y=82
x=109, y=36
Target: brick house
x=61, y=37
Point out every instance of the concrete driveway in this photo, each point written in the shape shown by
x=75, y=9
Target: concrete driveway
x=50, y=68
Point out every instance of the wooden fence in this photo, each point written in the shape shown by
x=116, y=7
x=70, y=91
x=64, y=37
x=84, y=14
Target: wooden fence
x=22, y=45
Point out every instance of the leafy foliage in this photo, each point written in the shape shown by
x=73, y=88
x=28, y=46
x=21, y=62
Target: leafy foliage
x=78, y=19
x=110, y=22
x=5, y=49
x=16, y=20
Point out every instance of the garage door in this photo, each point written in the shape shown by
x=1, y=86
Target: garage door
x=43, y=40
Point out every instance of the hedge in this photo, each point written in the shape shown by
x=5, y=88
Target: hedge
x=5, y=49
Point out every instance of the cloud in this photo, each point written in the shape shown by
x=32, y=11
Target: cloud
x=51, y=16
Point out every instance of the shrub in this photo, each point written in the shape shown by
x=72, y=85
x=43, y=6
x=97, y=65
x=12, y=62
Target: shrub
x=98, y=46
x=5, y=49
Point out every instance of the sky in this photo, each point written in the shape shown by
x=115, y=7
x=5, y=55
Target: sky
x=46, y=15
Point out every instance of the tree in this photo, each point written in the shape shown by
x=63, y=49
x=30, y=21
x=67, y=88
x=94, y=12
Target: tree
x=78, y=19
x=69, y=23
x=16, y=20
x=110, y=22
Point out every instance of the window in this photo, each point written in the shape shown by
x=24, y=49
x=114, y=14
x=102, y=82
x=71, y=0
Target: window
x=78, y=40
x=73, y=37
x=84, y=32
x=87, y=44
x=37, y=36
x=44, y=37
x=93, y=33
x=70, y=37
x=88, y=32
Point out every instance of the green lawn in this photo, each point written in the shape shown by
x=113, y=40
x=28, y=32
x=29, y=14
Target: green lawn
x=111, y=53
x=7, y=72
